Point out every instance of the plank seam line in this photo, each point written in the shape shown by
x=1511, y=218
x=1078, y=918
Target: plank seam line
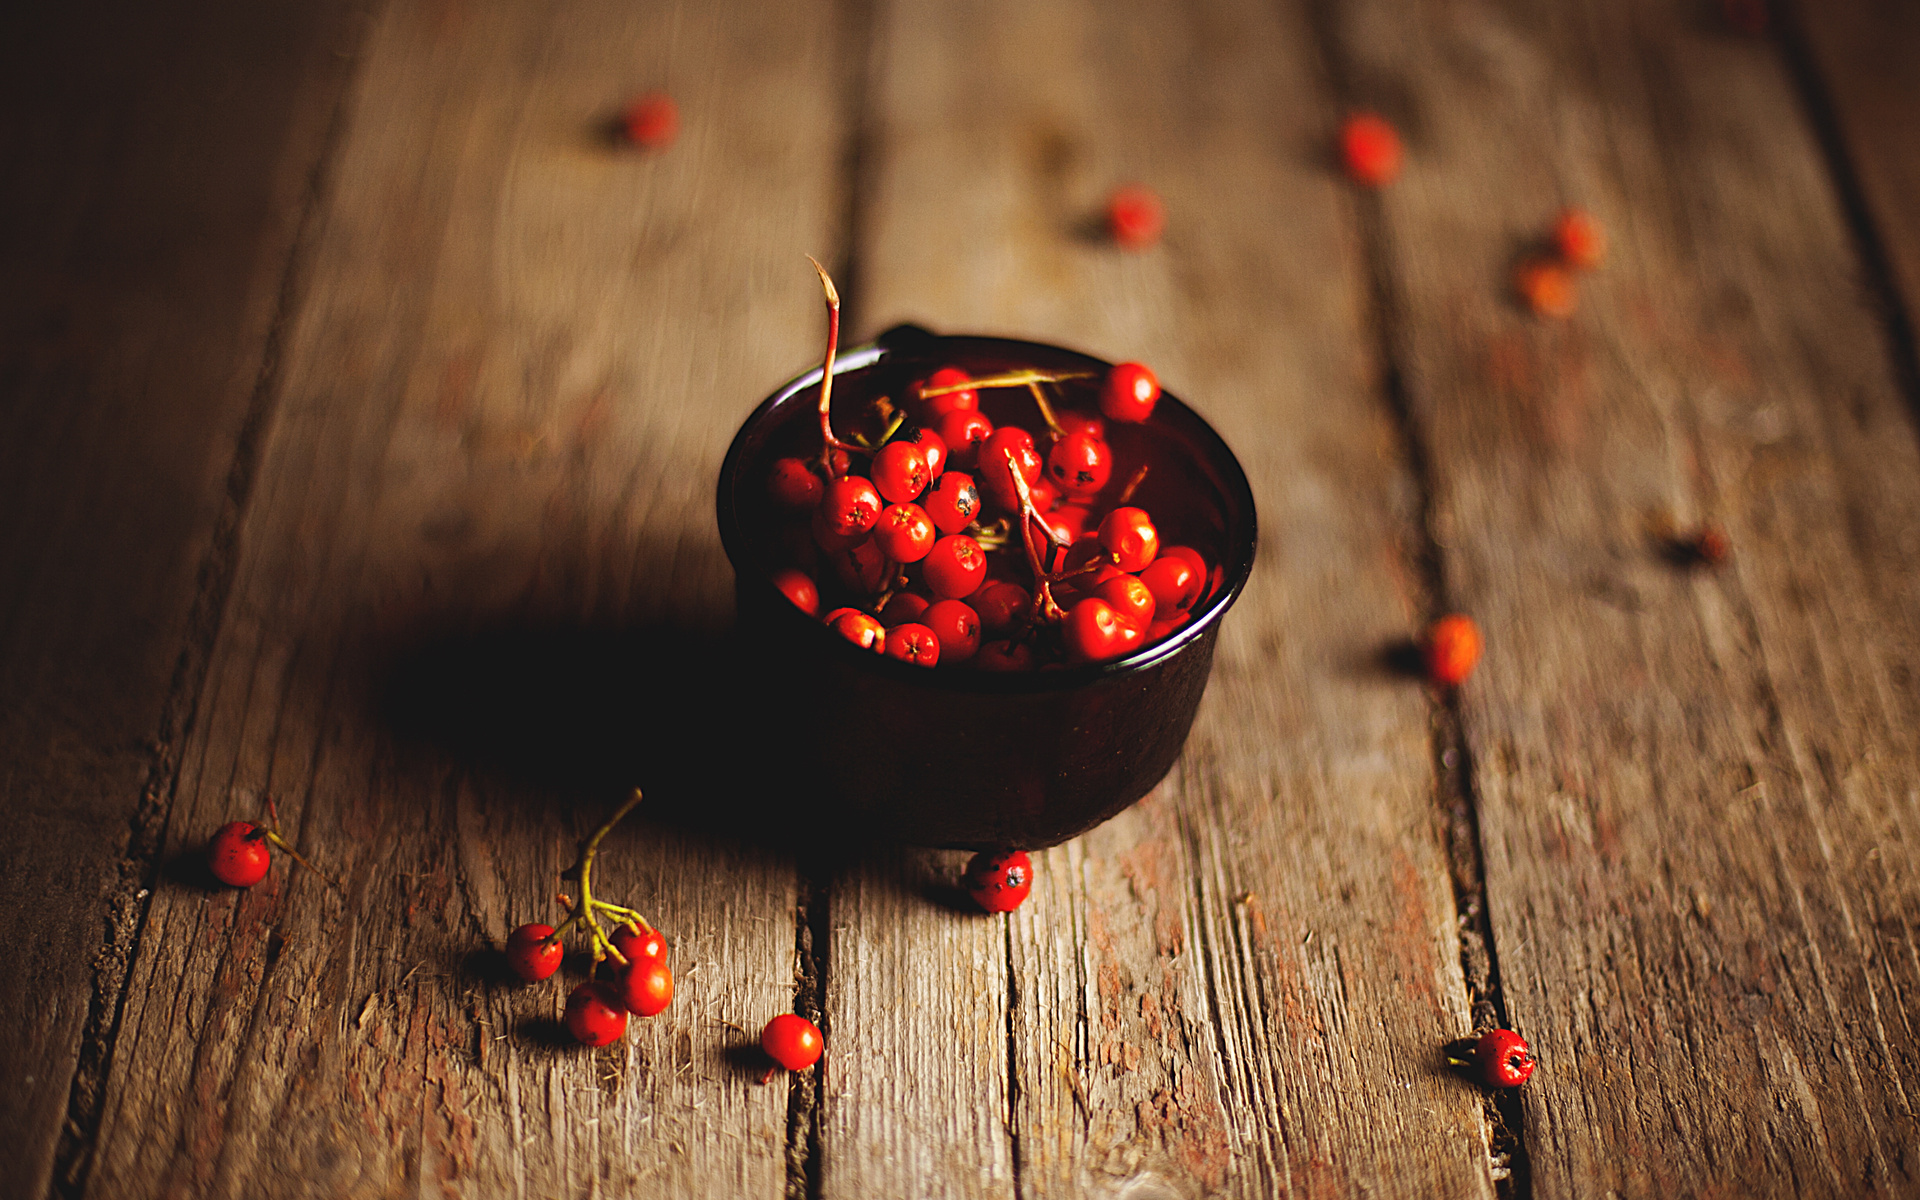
x=1013, y=1064
x=1903, y=346
x=806, y=1090
x=1456, y=799
x=129, y=902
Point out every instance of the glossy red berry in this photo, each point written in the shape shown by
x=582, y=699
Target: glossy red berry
x=637, y=944
x=999, y=882
x=963, y=431
x=851, y=505
x=1503, y=1059
x=792, y=1041
x=858, y=628
x=862, y=567
x=653, y=121
x=1129, y=535
x=238, y=855
x=1073, y=421
x=1579, y=239
x=1166, y=624
x=955, y=567
x=1453, y=648
x=1069, y=522
x=900, y=472
x=1172, y=580
x=1129, y=393
x=1369, y=149
x=1001, y=605
x=1131, y=599
x=1079, y=464
x=957, y=626
x=793, y=484
x=995, y=473
x=798, y=587
x=953, y=501
x=930, y=443
x=530, y=953
x=595, y=1015
x=1004, y=656
x=927, y=408
x=646, y=987
x=914, y=643
x=1135, y=217
x=905, y=533
x=1093, y=632
x=903, y=608
x=828, y=538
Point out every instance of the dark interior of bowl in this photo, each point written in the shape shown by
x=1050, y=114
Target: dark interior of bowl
x=953, y=756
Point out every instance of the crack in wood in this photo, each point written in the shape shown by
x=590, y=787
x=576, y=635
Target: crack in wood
x=806, y=1090
x=131, y=898
x=1013, y=1063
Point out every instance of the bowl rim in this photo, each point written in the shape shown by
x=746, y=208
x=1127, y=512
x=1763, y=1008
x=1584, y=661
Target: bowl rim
x=1238, y=560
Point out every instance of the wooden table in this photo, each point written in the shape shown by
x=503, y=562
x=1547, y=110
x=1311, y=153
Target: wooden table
x=340, y=345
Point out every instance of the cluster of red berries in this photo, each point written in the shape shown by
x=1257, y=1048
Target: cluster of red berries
x=945, y=538
x=1546, y=281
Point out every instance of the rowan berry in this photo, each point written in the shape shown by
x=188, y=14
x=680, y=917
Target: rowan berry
x=850, y=505
x=900, y=472
x=798, y=587
x=913, y=642
x=862, y=567
x=1453, y=648
x=963, y=430
x=1129, y=393
x=636, y=944
x=953, y=501
x=1579, y=239
x=999, y=882
x=1092, y=631
x=1546, y=287
x=955, y=567
x=653, y=121
x=1370, y=149
x=858, y=628
x=1001, y=605
x=1128, y=534
x=793, y=484
x=994, y=473
x=1135, y=217
x=930, y=443
x=905, y=533
x=595, y=1015
x=1172, y=580
x=1004, y=656
x=1079, y=464
x=237, y=855
x=904, y=607
x=1504, y=1059
x=957, y=626
x=792, y=1041
x=533, y=953
x=929, y=407
x=646, y=987
x=1132, y=601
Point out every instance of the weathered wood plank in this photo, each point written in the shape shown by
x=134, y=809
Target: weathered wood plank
x=481, y=543
x=1197, y=991
x=152, y=167
x=1696, y=788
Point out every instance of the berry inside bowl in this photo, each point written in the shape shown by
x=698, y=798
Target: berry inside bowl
x=1056, y=718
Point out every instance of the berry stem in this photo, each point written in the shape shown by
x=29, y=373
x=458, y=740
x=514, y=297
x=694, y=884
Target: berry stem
x=828, y=443
x=273, y=835
x=1133, y=485
x=1021, y=378
x=603, y=947
x=1044, y=607
x=1046, y=410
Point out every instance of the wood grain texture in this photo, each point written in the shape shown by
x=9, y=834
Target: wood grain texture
x=152, y=167
x=475, y=583
x=1696, y=788
x=1197, y=990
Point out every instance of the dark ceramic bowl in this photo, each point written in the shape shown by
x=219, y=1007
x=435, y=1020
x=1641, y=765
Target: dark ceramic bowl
x=957, y=757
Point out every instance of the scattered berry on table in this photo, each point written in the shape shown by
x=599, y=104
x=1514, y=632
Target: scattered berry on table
x=999, y=882
x=595, y=1015
x=653, y=121
x=646, y=987
x=1135, y=217
x=791, y=1041
x=1581, y=241
x=533, y=953
x=1709, y=546
x=1453, y=646
x=1369, y=149
x=1546, y=287
x=1503, y=1059
x=238, y=854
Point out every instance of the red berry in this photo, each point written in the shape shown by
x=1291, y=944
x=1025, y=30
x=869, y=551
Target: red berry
x=1079, y=464
x=1135, y=217
x=957, y=626
x=1503, y=1059
x=955, y=567
x=1129, y=393
x=653, y=121
x=1580, y=240
x=636, y=945
x=798, y=587
x=999, y=882
x=1069, y=522
x=930, y=443
x=995, y=474
x=1546, y=287
x=851, y=505
x=1164, y=625
x=914, y=643
x=1072, y=421
x=1453, y=650
x=929, y=407
x=1370, y=149
x=793, y=484
x=862, y=567
x=238, y=854
x=646, y=987
x=1131, y=599
x=530, y=954
x=1710, y=546
x=905, y=607
x=1004, y=656
x=1093, y=632
x=905, y=533
x=828, y=538
x=963, y=430
x=595, y=1015
x=900, y=472
x=792, y=1041
x=1128, y=534
x=953, y=501
x=1001, y=605
x=858, y=628
x=1172, y=580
